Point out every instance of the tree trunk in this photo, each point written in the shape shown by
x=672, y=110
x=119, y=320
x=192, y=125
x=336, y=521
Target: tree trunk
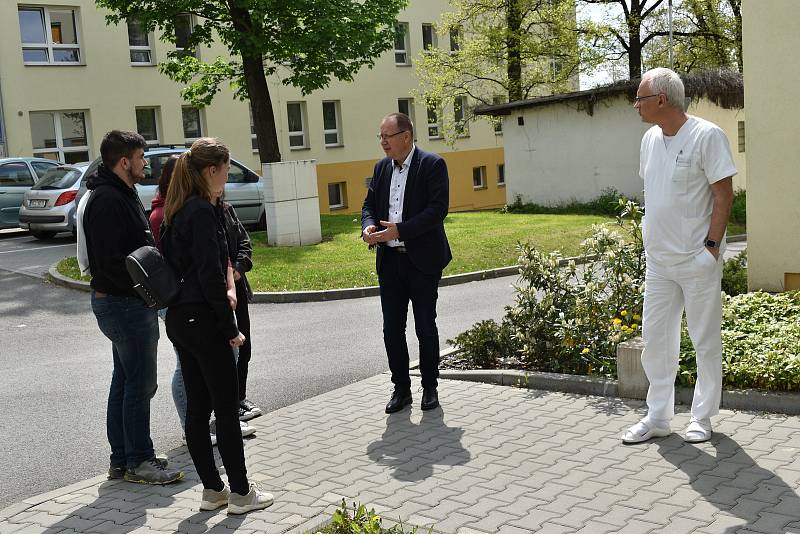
x=514, y=64
x=736, y=7
x=634, y=23
x=258, y=92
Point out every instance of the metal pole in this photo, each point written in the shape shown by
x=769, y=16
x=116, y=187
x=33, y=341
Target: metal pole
x=669, y=17
x=3, y=140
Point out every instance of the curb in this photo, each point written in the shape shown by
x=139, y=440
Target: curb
x=287, y=297
x=732, y=399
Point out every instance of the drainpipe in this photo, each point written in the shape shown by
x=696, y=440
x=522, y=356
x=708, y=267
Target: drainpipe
x=3, y=141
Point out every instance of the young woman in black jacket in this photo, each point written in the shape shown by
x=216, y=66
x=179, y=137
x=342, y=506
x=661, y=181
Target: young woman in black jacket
x=201, y=324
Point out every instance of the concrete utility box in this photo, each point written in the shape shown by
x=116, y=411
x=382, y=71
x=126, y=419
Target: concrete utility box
x=632, y=383
x=291, y=203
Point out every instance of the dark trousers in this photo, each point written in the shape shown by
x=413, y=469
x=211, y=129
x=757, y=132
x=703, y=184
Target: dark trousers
x=400, y=282
x=209, y=373
x=243, y=322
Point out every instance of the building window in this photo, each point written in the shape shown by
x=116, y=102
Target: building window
x=479, y=177
x=741, y=135
x=253, y=138
x=331, y=123
x=147, y=124
x=49, y=35
x=401, y=44
x=192, y=124
x=406, y=106
x=455, y=39
x=296, y=113
x=433, y=122
x=60, y=135
x=15, y=174
x=183, y=31
x=501, y=174
x=139, y=44
x=459, y=108
x=428, y=37
x=498, y=125
x=336, y=196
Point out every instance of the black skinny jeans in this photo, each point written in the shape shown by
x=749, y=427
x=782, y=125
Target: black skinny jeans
x=210, y=376
x=243, y=321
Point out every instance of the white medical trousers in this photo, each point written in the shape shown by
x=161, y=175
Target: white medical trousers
x=694, y=285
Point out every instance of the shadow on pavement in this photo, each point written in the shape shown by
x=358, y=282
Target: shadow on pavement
x=411, y=450
x=732, y=481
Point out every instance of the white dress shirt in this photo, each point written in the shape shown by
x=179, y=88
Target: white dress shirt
x=397, y=193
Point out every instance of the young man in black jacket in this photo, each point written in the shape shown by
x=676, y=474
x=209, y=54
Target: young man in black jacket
x=114, y=225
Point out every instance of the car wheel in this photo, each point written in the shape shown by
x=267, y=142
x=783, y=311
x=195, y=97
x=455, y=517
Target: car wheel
x=43, y=234
x=262, y=222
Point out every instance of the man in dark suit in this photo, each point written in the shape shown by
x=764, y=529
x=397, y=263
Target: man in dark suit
x=403, y=215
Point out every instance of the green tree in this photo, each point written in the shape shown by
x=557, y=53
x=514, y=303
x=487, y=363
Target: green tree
x=506, y=50
x=306, y=43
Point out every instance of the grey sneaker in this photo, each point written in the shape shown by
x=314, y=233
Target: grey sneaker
x=118, y=473
x=254, y=500
x=213, y=499
x=152, y=471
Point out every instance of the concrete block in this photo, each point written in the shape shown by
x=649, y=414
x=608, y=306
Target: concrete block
x=631, y=380
x=291, y=203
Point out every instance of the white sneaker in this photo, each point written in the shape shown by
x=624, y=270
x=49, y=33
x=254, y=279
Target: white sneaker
x=254, y=500
x=698, y=431
x=642, y=431
x=247, y=430
x=213, y=499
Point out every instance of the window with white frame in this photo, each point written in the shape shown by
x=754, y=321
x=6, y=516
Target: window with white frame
x=49, y=35
x=60, y=135
x=479, y=177
x=141, y=51
x=332, y=123
x=147, y=124
x=501, y=174
x=428, y=37
x=402, y=53
x=406, y=106
x=455, y=38
x=253, y=138
x=192, y=124
x=459, y=109
x=296, y=115
x=336, y=195
x=184, y=24
x=433, y=122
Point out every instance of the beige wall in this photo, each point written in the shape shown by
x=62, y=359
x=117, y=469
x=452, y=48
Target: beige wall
x=562, y=153
x=109, y=89
x=772, y=76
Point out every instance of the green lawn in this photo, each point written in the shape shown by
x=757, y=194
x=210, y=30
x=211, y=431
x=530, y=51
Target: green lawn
x=479, y=240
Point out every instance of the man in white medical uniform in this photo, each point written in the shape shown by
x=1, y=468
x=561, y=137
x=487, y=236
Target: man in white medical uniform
x=687, y=168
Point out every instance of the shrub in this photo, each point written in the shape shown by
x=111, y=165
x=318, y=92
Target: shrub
x=739, y=207
x=570, y=320
x=734, y=275
x=361, y=521
x=487, y=345
x=760, y=340
x=607, y=203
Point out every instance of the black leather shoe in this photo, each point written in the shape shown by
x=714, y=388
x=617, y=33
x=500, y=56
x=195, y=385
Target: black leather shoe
x=430, y=399
x=400, y=399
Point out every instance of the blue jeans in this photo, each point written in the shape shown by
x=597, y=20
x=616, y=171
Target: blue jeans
x=132, y=328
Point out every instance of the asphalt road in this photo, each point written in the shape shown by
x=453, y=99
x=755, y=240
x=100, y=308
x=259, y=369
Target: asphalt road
x=55, y=365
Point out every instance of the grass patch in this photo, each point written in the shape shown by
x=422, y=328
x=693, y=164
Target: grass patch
x=479, y=240
x=69, y=268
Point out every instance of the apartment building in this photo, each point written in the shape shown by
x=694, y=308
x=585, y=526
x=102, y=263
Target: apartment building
x=66, y=78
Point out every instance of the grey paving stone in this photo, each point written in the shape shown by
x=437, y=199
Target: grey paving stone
x=681, y=524
x=492, y=521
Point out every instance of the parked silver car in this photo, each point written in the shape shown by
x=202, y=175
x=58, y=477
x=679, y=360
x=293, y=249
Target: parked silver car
x=49, y=206
x=244, y=190
x=17, y=175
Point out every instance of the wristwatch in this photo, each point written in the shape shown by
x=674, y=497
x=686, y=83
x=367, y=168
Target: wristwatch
x=710, y=243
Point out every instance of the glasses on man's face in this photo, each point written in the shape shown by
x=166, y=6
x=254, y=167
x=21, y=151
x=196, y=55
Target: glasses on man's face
x=382, y=137
x=638, y=99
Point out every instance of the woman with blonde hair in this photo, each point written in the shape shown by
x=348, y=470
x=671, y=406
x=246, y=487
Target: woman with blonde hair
x=201, y=324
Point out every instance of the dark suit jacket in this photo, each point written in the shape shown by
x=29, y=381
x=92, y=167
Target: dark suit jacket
x=425, y=204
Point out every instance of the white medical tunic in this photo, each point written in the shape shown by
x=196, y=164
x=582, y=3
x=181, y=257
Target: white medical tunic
x=677, y=177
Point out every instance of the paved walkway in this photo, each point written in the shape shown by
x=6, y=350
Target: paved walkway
x=495, y=459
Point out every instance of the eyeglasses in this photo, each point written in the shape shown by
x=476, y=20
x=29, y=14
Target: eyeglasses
x=638, y=99
x=382, y=137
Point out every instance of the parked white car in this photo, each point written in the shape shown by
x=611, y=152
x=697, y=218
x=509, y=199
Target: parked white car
x=49, y=206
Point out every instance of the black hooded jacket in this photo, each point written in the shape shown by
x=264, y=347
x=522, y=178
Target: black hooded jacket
x=115, y=225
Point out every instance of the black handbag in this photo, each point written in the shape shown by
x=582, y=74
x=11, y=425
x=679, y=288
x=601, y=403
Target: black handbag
x=153, y=278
